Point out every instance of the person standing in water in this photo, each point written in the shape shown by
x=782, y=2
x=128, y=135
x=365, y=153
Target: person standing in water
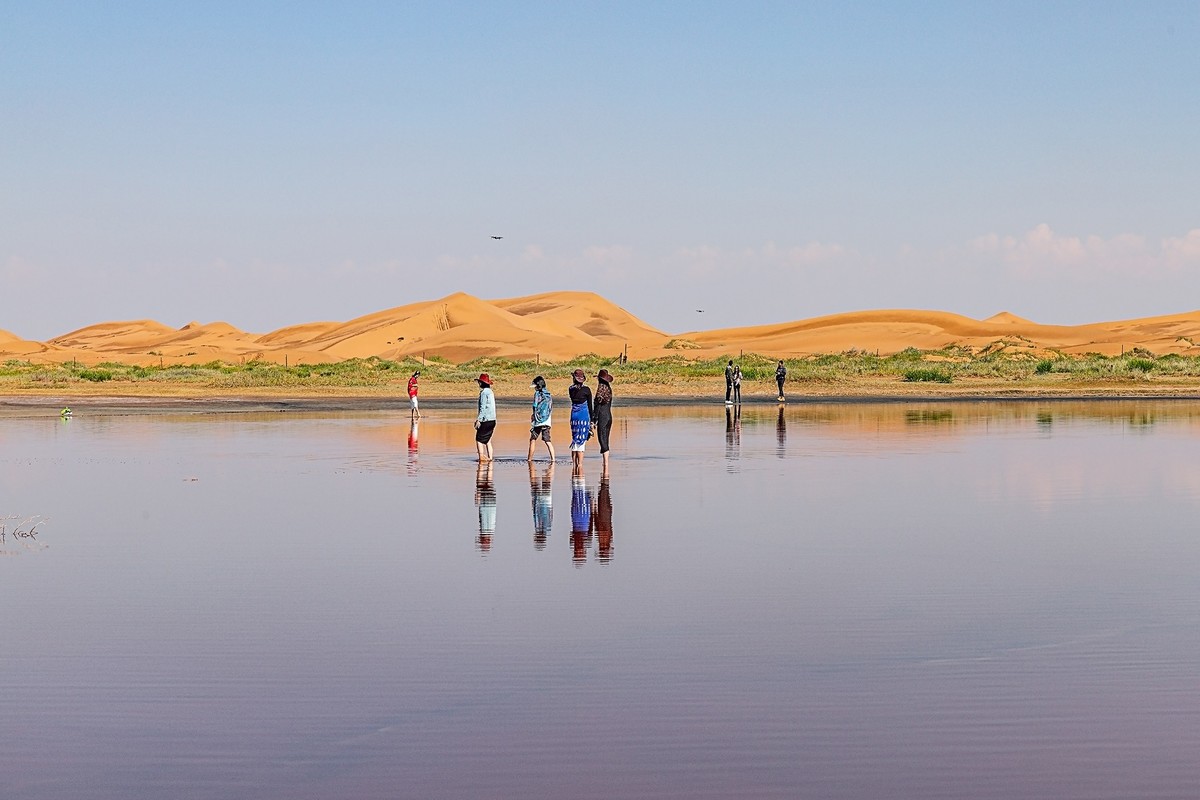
x=780, y=377
x=412, y=395
x=729, y=383
x=485, y=420
x=581, y=418
x=603, y=408
x=539, y=420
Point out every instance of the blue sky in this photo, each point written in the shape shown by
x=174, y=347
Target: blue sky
x=274, y=163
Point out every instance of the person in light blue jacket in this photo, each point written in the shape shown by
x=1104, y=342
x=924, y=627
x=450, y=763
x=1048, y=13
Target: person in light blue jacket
x=539, y=420
x=485, y=420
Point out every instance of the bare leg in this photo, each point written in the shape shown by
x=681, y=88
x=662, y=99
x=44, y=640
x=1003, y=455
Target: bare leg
x=529, y=457
x=489, y=451
x=550, y=447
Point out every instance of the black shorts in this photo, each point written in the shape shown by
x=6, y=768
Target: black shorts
x=483, y=434
x=542, y=431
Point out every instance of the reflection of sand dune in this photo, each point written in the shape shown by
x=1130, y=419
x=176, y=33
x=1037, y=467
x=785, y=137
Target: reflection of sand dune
x=560, y=325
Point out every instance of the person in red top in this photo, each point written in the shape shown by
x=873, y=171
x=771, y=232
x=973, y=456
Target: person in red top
x=412, y=394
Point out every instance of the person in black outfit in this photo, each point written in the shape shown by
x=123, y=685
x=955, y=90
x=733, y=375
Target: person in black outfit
x=729, y=383
x=603, y=408
x=780, y=377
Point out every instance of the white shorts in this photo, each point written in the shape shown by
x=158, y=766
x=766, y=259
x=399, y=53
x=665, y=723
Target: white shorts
x=412, y=402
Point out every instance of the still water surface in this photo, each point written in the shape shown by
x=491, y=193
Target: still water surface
x=987, y=600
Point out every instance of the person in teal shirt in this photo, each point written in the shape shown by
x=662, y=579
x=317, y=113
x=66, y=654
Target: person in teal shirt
x=485, y=420
x=539, y=427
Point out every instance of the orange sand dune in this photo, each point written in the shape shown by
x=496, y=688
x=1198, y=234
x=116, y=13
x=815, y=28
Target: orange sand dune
x=894, y=330
x=557, y=326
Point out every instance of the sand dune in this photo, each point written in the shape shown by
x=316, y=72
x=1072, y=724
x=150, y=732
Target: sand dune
x=557, y=326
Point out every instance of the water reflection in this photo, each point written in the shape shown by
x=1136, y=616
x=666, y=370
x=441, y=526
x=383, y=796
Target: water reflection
x=602, y=522
x=413, y=432
x=542, y=498
x=733, y=437
x=485, y=504
x=581, y=519
x=781, y=435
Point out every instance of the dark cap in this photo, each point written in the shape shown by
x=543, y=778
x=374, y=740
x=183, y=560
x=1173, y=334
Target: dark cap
x=579, y=375
x=604, y=375
x=539, y=382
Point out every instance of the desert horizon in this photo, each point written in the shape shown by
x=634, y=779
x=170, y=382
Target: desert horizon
x=561, y=325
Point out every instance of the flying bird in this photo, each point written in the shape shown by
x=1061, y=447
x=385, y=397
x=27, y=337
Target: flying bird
x=699, y=310
x=497, y=237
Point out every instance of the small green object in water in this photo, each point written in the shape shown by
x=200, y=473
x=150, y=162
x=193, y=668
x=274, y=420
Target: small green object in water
x=66, y=412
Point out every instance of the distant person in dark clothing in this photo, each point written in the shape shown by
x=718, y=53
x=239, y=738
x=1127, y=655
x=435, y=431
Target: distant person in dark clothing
x=737, y=385
x=603, y=409
x=780, y=377
x=729, y=383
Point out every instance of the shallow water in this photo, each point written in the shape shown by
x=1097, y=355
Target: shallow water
x=987, y=600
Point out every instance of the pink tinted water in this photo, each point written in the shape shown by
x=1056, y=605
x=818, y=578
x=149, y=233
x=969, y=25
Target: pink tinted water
x=846, y=601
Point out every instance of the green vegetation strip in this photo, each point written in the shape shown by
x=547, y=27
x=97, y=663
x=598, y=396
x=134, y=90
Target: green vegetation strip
x=942, y=366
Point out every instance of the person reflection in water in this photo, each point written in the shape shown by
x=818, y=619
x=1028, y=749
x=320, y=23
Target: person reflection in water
x=581, y=519
x=412, y=446
x=602, y=522
x=780, y=434
x=543, y=504
x=485, y=504
x=733, y=432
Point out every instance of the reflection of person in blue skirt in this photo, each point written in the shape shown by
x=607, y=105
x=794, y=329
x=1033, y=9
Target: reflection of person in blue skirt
x=581, y=418
x=581, y=519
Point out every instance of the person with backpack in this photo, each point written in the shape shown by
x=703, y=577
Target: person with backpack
x=539, y=419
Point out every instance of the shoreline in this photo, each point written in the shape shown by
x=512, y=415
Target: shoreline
x=51, y=404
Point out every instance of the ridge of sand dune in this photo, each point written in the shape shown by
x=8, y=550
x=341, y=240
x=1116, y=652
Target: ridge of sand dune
x=558, y=326
x=105, y=335
x=583, y=311
x=1008, y=318
x=296, y=334
x=439, y=324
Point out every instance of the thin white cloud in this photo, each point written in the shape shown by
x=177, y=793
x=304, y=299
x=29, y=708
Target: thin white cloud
x=1041, y=250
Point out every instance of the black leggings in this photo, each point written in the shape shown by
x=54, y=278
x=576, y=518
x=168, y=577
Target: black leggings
x=603, y=426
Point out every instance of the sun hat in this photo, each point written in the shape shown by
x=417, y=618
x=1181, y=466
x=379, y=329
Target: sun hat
x=483, y=378
x=604, y=375
x=579, y=375
x=539, y=382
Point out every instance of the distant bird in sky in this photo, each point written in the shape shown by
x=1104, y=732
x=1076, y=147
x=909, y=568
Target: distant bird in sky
x=699, y=310
x=497, y=237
